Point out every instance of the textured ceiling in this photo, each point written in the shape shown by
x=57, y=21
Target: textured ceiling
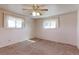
x=53, y=9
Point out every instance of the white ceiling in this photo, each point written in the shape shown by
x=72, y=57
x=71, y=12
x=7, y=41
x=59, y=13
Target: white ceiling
x=53, y=9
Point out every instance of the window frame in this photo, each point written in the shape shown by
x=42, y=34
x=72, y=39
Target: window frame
x=6, y=21
x=55, y=19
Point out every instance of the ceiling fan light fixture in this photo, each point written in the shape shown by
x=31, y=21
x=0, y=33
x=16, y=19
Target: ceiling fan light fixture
x=36, y=10
x=33, y=13
x=36, y=13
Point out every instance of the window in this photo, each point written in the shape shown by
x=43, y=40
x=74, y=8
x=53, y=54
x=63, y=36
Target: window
x=19, y=23
x=13, y=22
x=50, y=24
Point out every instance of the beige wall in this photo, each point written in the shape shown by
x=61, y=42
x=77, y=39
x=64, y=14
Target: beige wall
x=1, y=20
x=78, y=28
x=11, y=36
x=66, y=33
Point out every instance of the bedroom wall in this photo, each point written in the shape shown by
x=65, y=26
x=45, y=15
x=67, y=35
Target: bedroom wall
x=65, y=33
x=11, y=36
x=78, y=28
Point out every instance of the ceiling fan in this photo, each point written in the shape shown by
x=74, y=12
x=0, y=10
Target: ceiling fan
x=36, y=10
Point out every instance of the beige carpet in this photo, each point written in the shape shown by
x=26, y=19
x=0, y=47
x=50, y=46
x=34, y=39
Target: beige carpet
x=39, y=47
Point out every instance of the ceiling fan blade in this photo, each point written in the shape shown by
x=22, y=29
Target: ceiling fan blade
x=43, y=9
x=39, y=9
x=27, y=9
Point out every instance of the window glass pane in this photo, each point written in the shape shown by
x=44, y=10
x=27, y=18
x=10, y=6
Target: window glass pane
x=11, y=22
x=46, y=24
x=53, y=24
x=19, y=23
x=49, y=24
